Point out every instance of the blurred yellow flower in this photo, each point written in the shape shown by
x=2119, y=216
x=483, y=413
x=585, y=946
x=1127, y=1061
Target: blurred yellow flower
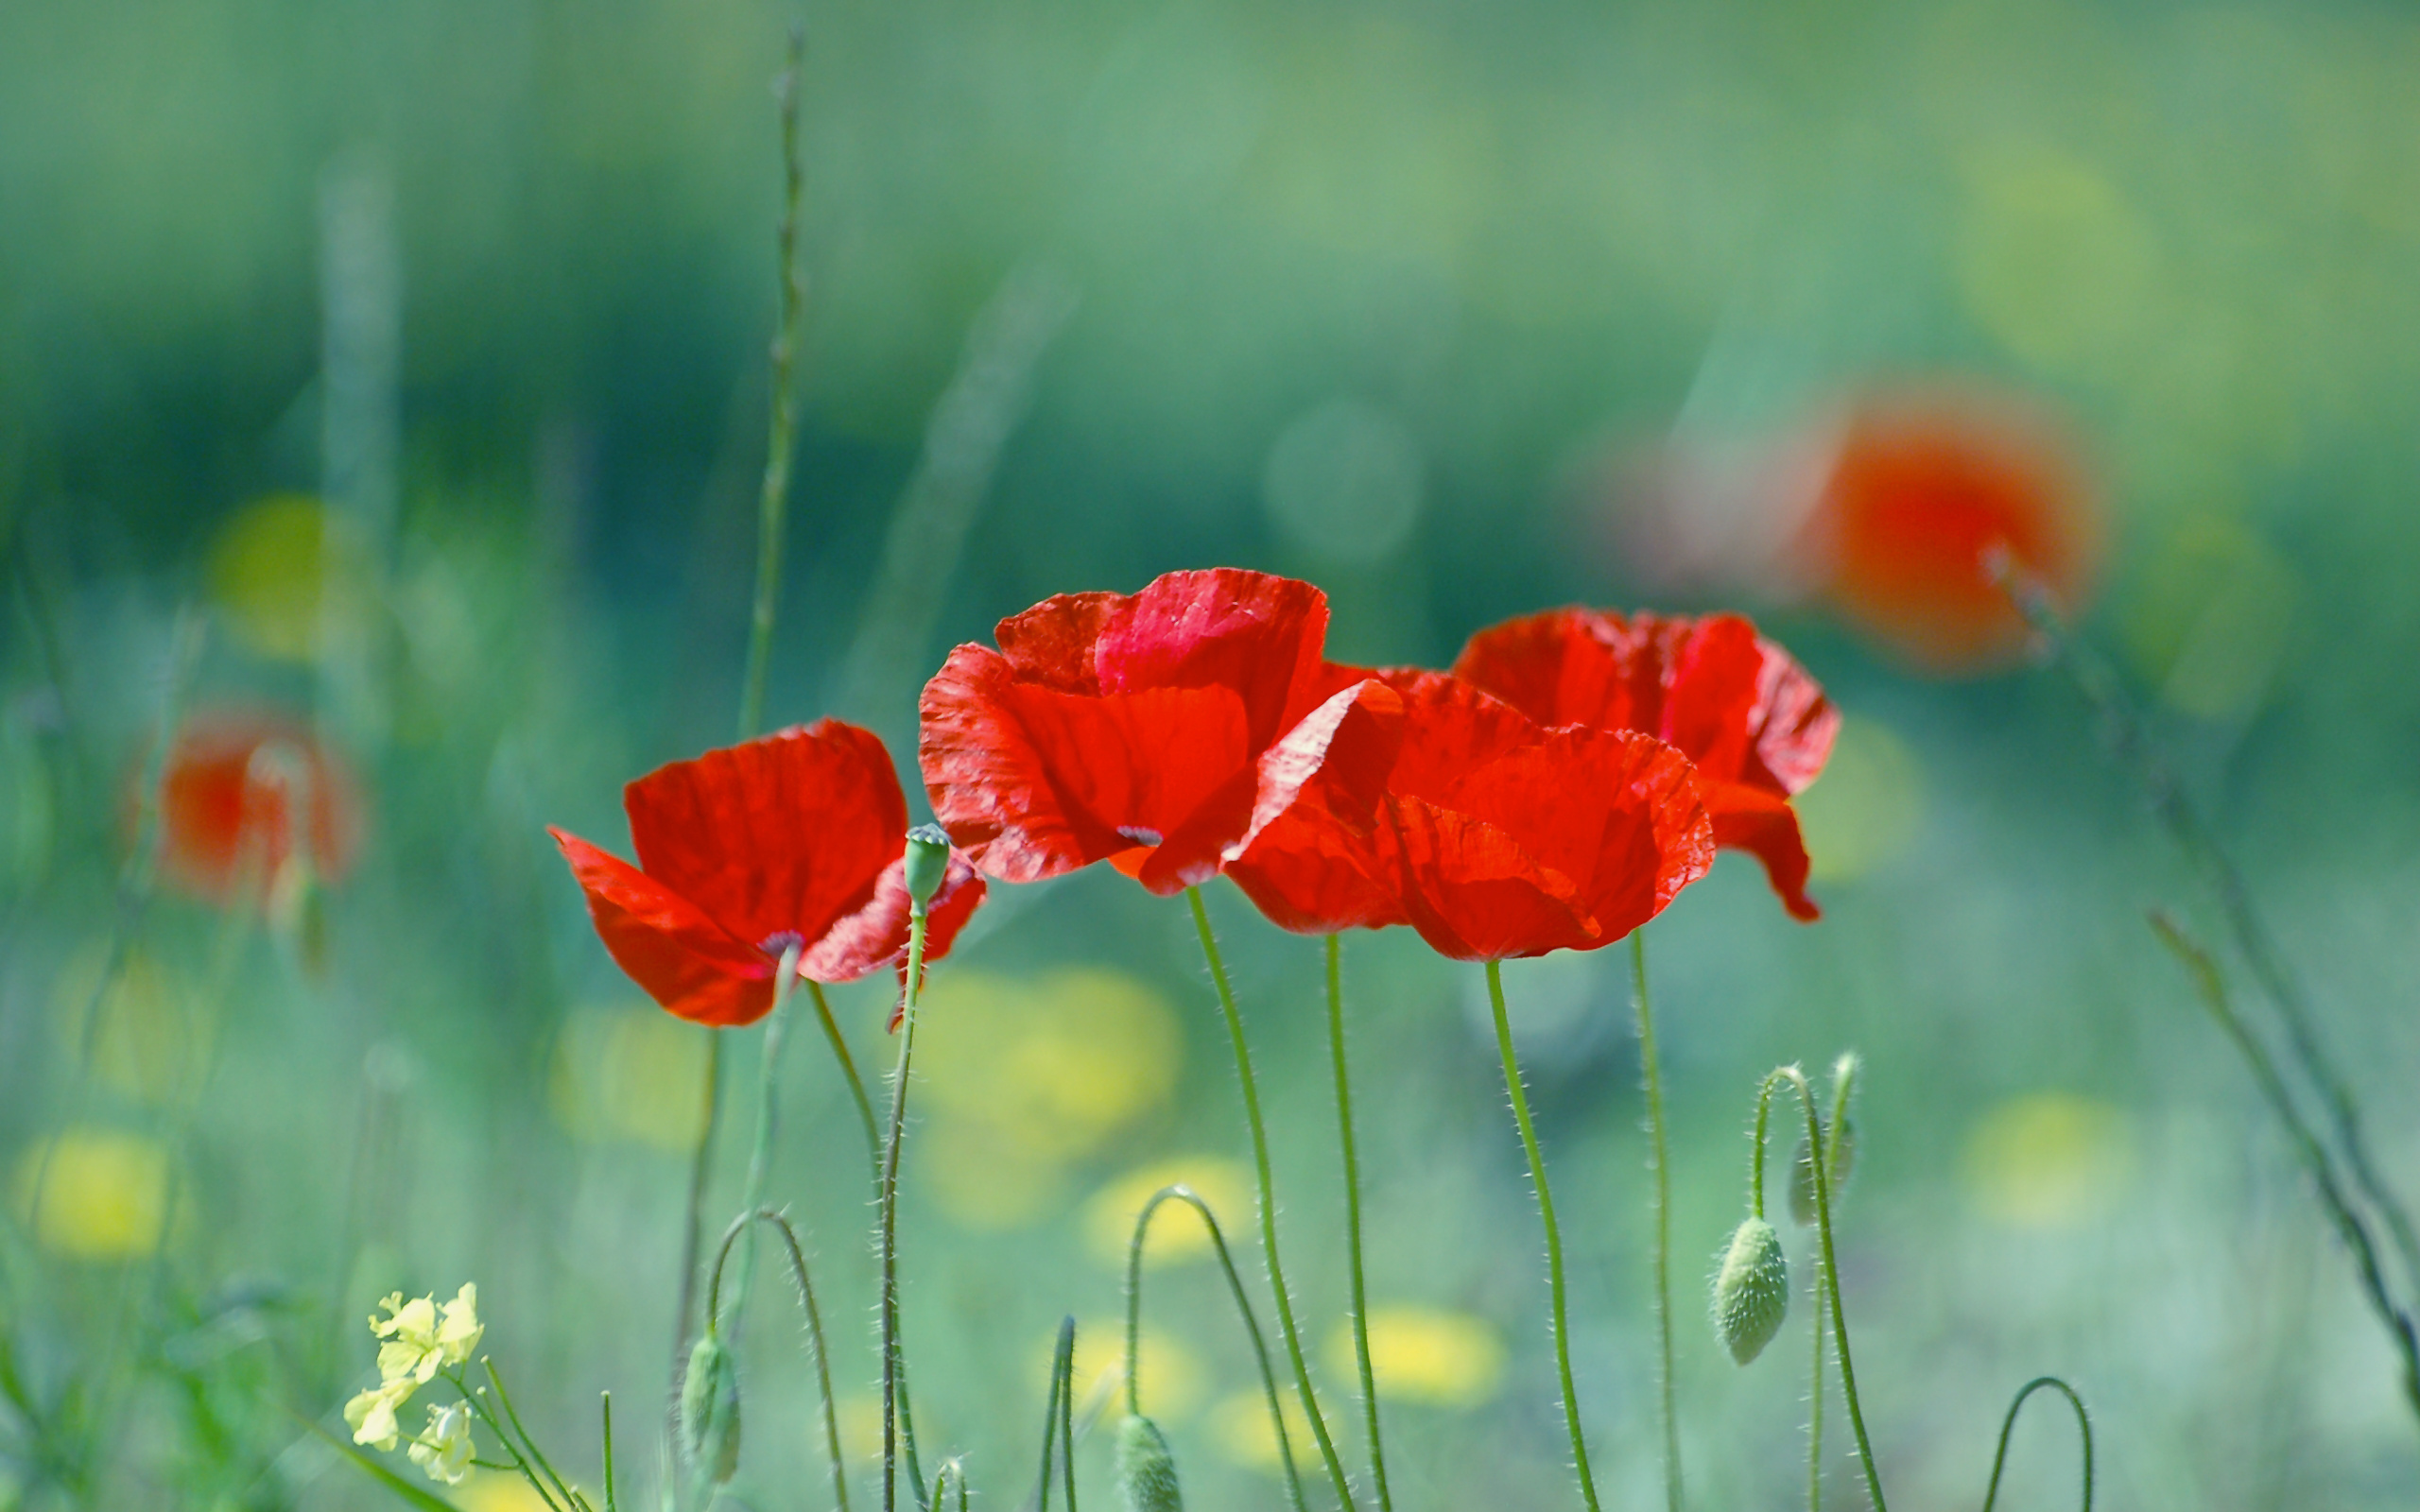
x=1178, y=1233
x=500, y=1491
x=2212, y=619
x=371, y=1413
x=860, y=1417
x=1025, y=1077
x=1240, y=1425
x=139, y=1026
x=2048, y=1160
x=279, y=571
x=443, y=1448
x=629, y=1073
x=1866, y=807
x=1172, y=1373
x=1425, y=1355
x=95, y=1194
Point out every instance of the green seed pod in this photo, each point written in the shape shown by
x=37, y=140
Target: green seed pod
x=710, y=1410
x=1841, y=1145
x=927, y=863
x=1752, y=1290
x=1145, y=1469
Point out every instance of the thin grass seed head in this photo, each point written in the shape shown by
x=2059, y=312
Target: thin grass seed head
x=1839, y=1149
x=1145, y=1469
x=710, y=1409
x=1752, y=1290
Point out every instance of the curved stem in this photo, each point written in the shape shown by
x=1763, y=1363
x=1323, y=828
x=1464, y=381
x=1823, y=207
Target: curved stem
x=1267, y=1201
x=1831, y=1272
x=1179, y=1192
x=799, y=1275
x=1353, y=1222
x=890, y=1199
x=1651, y=1074
x=849, y=1071
x=1554, y=1234
x=760, y=1158
x=2008, y=1425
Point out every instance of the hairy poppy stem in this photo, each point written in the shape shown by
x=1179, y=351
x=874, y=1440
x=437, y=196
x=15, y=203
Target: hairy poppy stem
x=1815, y=1405
x=1651, y=1074
x=746, y=1222
x=1353, y=1222
x=692, y=1239
x=890, y=1198
x=1267, y=1200
x=1831, y=1270
x=1554, y=1234
x=849, y=1069
x=1179, y=1192
x=760, y=1160
x=2008, y=1426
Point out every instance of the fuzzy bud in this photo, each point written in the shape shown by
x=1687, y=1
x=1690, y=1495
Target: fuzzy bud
x=710, y=1410
x=927, y=863
x=1145, y=1469
x=1840, y=1144
x=1752, y=1290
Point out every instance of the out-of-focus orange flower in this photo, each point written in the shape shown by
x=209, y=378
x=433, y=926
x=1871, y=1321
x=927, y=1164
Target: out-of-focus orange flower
x=1921, y=486
x=238, y=788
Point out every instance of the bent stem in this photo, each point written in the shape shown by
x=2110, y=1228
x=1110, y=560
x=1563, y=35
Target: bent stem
x=747, y=1222
x=1652, y=1075
x=1353, y=1222
x=2008, y=1425
x=1831, y=1270
x=1180, y=1193
x=1554, y=1234
x=890, y=1200
x=1267, y=1200
x=760, y=1158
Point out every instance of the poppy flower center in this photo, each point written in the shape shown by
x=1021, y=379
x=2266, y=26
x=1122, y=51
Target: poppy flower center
x=781, y=940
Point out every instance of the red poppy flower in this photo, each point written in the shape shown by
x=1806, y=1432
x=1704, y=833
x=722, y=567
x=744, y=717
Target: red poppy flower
x=1124, y=729
x=235, y=789
x=1919, y=491
x=1424, y=800
x=1756, y=727
x=796, y=837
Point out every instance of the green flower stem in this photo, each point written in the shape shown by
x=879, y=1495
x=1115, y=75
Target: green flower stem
x=890, y=1199
x=1067, y=1410
x=1179, y=1192
x=1353, y=1222
x=1843, y=1081
x=1063, y=1358
x=1554, y=1234
x=606, y=1407
x=692, y=1239
x=2008, y=1425
x=760, y=1158
x=1267, y=1201
x=849, y=1069
x=1831, y=1272
x=1653, y=1074
x=495, y=1378
x=748, y=1221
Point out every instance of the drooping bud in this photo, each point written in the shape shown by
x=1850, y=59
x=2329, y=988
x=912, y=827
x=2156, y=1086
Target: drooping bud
x=1840, y=1146
x=927, y=863
x=1145, y=1469
x=1752, y=1290
x=710, y=1410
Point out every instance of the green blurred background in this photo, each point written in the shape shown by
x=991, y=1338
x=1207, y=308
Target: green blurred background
x=413, y=358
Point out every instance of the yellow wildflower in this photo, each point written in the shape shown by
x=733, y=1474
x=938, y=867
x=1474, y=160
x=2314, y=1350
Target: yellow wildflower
x=422, y=1337
x=372, y=1415
x=443, y=1448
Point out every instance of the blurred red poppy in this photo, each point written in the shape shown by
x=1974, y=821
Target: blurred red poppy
x=1434, y=804
x=1920, y=488
x=793, y=838
x=233, y=785
x=1756, y=727
x=1125, y=729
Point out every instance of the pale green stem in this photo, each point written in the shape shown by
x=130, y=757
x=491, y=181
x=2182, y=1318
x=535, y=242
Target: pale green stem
x=760, y=1160
x=1243, y=1306
x=1520, y=1097
x=849, y=1069
x=1352, y=1223
x=1267, y=1201
x=2008, y=1425
x=606, y=1407
x=1653, y=1074
x=747, y=1221
x=890, y=1198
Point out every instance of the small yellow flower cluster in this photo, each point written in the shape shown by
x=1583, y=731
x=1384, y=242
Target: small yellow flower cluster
x=422, y=1337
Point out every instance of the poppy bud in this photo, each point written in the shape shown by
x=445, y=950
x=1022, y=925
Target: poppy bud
x=1145, y=1469
x=1752, y=1290
x=710, y=1410
x=1839, y=1148
x=927, y=863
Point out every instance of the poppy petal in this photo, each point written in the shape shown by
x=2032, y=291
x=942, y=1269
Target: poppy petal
x=877, y=935
x=1766, y=828
x=1473, y=892
x=782, y=834
x=684, y=959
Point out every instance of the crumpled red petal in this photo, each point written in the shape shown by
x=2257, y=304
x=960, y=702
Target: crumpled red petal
x=685, y=961
x=1750, y=819
x=785, y=834
x=877, y=935
x=1308, y=855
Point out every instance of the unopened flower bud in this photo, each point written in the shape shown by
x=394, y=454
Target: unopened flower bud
x=1840, y=1146
x=927, y=863
x=1145, y=1469
x=1752, y=1290
x=710, y=1410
